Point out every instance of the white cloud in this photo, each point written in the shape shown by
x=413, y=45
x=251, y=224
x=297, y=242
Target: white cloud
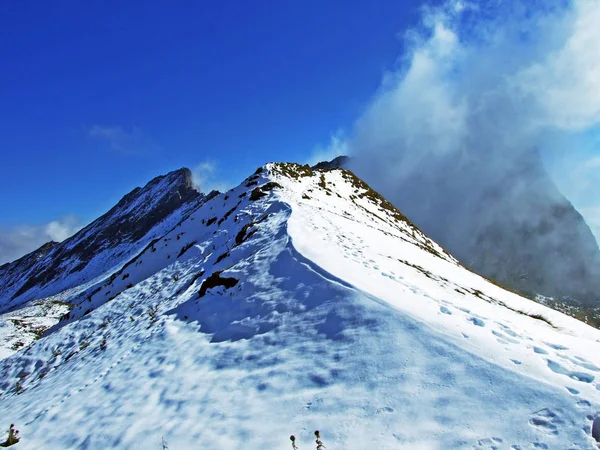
x=492, y=80
x=592, y=217
x=337, y=146
x=122, y=141
x=206, y=178
x=592, y=164
x=465, y=74
x=565, y=81
x=19, y=240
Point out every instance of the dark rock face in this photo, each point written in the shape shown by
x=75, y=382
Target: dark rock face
x=119, y=231
x=12, y=273
x=337, y=163
x=596, y=428
x=519, y=230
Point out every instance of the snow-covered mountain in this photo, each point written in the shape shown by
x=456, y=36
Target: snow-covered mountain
x=503, y=218
x=34, y=289
x=301, y=300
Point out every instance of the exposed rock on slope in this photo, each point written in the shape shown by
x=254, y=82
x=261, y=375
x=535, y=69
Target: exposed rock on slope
x=336, y=163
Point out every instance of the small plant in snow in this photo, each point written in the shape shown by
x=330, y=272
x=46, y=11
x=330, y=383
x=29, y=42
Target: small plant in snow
x=103, y=344
x=319, y=442
x=153, y=313
x=293, y=439
x=18, y=387
x=164, y=444
x=13, y=437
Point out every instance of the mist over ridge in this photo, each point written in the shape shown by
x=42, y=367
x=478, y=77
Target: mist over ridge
x=455, y=138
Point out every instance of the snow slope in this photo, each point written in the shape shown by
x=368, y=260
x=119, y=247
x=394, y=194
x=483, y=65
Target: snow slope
x=39, y=287
x=300, y=300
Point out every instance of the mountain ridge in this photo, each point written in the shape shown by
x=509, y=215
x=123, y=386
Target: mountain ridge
x=506, y=221
x=302, y=300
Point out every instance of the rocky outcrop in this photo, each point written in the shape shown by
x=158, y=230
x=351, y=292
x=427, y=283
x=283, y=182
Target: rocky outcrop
x=336, y=163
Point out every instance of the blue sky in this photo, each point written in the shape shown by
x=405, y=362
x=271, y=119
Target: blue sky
x=100, y=96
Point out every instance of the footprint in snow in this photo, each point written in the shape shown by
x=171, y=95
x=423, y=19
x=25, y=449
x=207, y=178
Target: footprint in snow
x=579, y=376
x=477, y=322
x=385, y=409
x=445, y=310
x=572, y=391
x=508, y=331
x=583, y=363
x=583, y=404
x=540, y=351
x=556, y=346
x=546, y=420
x=492, y=443
x=503, y=337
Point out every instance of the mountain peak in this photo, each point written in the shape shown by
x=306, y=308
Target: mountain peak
x=303, y=285
x=108, y=239
x=336, y=163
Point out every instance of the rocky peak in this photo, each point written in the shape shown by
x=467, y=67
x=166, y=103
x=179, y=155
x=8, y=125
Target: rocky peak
x=336, y=163
x=120, y=231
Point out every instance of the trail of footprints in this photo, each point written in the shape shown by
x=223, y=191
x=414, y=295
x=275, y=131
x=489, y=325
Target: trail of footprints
x=547, y=420
x=506, y=336
x=105, y=372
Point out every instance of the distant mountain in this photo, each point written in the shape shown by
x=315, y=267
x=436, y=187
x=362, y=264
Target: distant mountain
x=504, y=220
x=98, y=249
x=538, y=242
x=299, y=300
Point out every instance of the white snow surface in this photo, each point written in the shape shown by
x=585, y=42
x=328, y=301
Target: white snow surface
x=343, y=319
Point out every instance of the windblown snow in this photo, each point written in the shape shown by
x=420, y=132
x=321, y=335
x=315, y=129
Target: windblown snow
x=301, y=300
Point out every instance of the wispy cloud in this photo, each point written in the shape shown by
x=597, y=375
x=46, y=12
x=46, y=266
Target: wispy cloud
x=592, y=217
x=488, y=81
x=120, y=140
x=19, y=240
x=206, y=177
x=593, y=163
x=337, y=146
x=453, y=134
